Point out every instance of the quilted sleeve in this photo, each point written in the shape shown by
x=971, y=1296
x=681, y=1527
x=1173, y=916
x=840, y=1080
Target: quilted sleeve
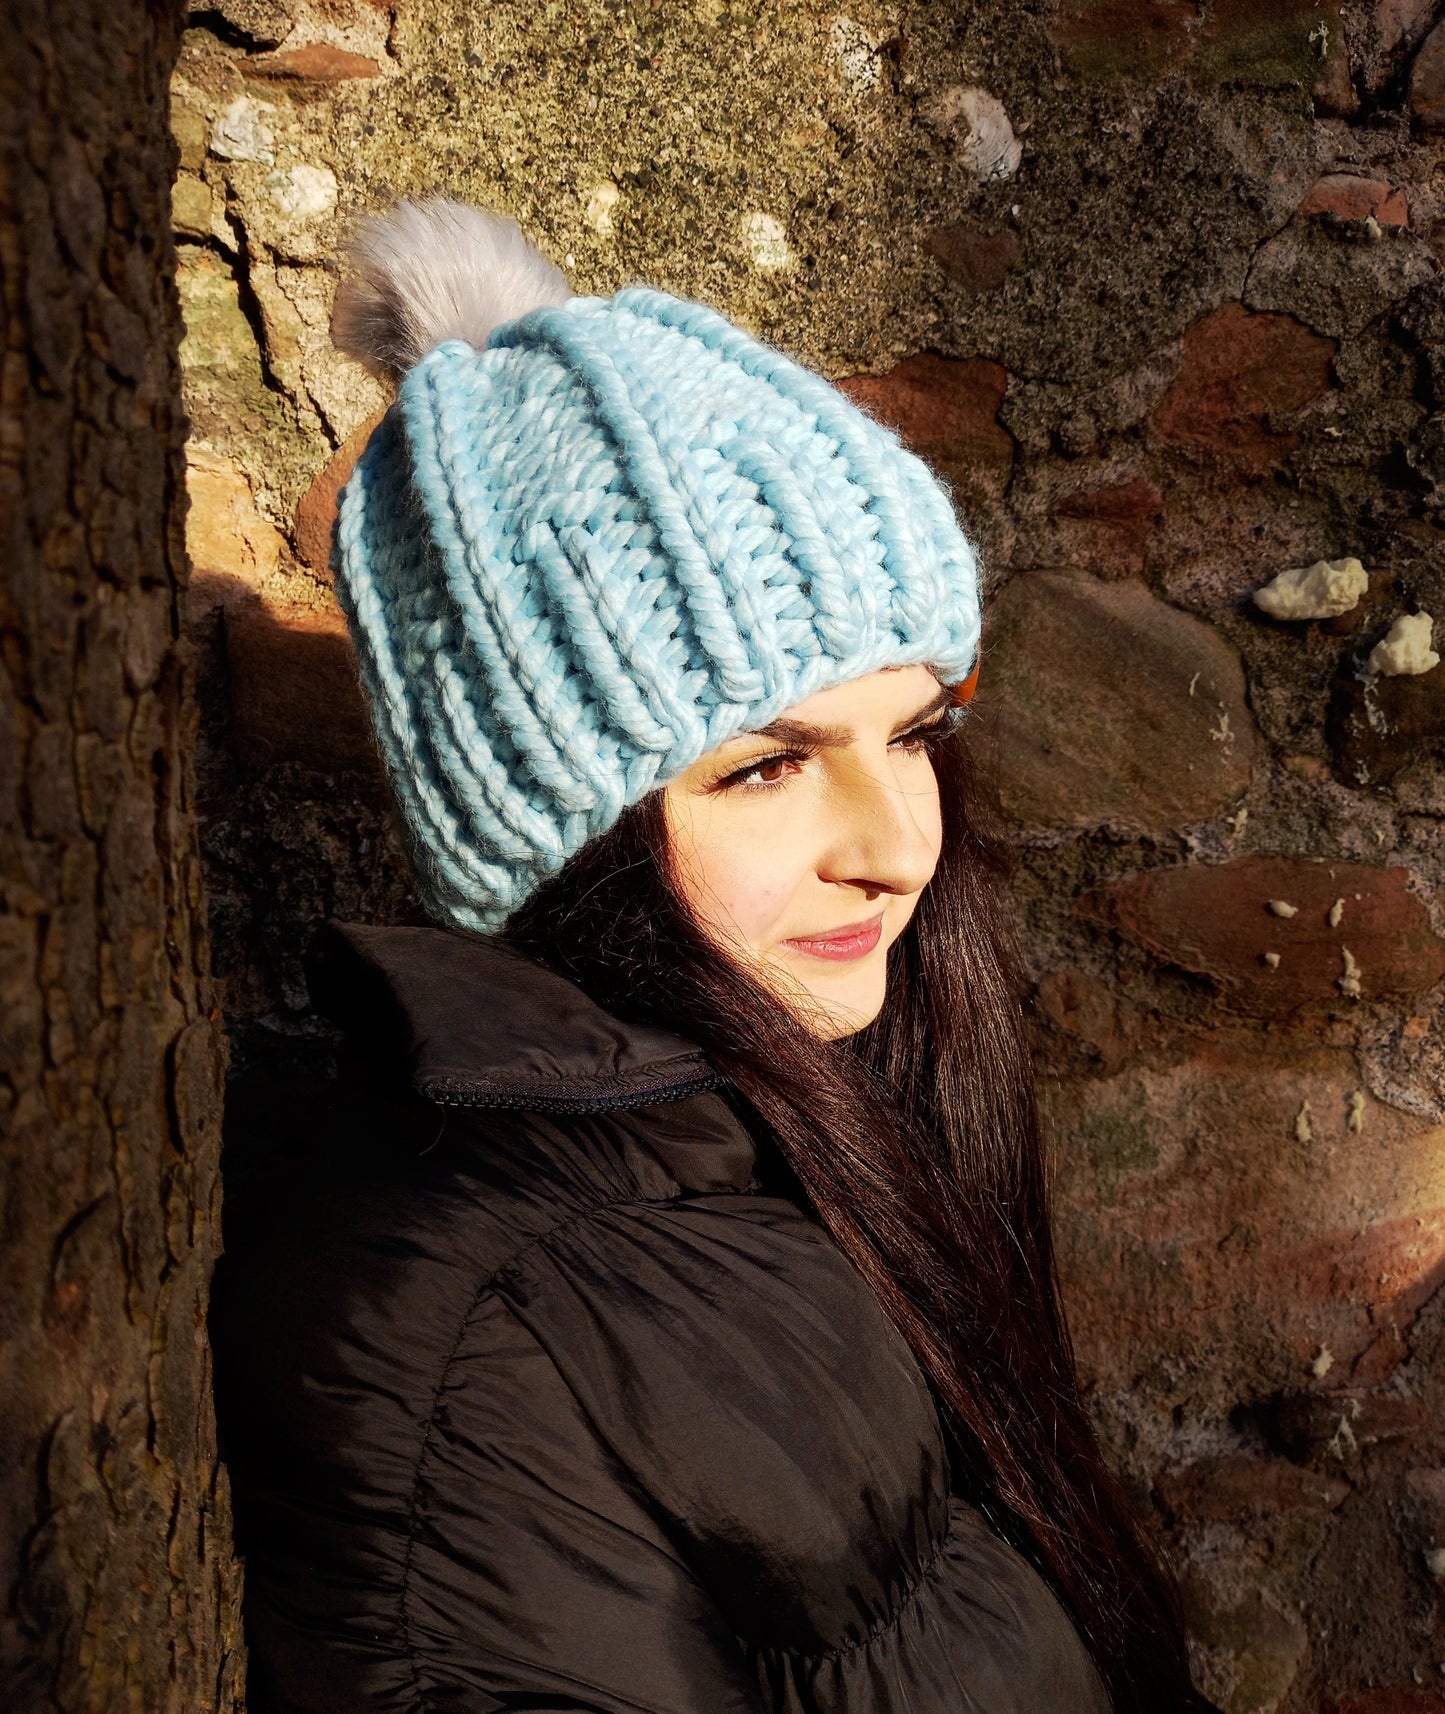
x=429, y=1522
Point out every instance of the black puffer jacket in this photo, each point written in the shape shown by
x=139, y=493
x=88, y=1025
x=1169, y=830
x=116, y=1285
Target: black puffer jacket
x=542, y=1388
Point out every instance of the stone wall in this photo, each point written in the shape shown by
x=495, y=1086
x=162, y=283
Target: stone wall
x=1156, y=286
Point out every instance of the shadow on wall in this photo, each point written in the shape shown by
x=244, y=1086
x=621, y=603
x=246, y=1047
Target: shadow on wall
x=290, y=682
x=294, y=812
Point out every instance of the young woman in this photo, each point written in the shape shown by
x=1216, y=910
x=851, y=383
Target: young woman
x=663, y=1315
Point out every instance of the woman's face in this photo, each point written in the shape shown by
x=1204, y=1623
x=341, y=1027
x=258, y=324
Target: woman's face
x=804, y=846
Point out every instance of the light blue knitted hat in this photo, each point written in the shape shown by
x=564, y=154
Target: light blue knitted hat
x=595, y=537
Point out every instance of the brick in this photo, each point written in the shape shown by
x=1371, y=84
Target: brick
x=1394, y=1265
x=1266, y=1642
x=1427, y=81
x=1215, y=922
x=1108, y=527
x=1242, y=1489
x=1394, y=1699
x=1239, y=368
x=226, y=536
x=1352, y=197
x=1203, y=1246
x=975, y=257
x=1377, y=730
x=1398, y=21
x=1339, y=288
x=191, y=131
x=316, y=515
x=318, y=62
x=1425, y=1490
x=1334, y=94
x=946, y=411
x=1124, y=38
x=1087, y=1012
x=1086, y=696
x=295, y=696
x=191, y=207
x=1374, y=1366
x=1127, y=504
x=1268, y=42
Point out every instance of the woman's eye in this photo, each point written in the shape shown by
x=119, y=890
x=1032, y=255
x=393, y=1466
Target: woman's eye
x=921, y=737
x=770, y=771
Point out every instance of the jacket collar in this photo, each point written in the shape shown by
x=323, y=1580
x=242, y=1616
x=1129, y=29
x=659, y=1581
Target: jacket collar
x=469, y=1022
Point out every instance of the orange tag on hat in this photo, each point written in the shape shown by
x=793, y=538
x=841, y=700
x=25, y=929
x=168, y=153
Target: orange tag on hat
x=963, y=691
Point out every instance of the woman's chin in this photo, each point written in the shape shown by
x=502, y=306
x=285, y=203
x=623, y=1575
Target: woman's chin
x=831, y=1000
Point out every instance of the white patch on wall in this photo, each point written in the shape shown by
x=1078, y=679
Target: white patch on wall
x=987, y=145
x=1223, y=733
x=601, y=201
x=303, y=192
x=1349, y=983
x=239, y=133
x=856, y=53
x=1405, y=648
x=767, y=243
x=1323, y=590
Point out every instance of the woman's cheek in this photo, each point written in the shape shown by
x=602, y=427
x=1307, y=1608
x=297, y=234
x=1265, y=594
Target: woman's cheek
x=753, y=890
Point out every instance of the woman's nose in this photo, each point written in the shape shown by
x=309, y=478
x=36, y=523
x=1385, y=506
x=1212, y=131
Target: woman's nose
x=885, y=831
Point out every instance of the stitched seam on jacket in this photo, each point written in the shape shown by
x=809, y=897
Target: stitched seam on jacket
x=888, y=1622
x=473, y=1304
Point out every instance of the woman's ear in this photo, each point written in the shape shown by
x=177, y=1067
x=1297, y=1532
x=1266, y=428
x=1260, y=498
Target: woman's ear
x=963, y=691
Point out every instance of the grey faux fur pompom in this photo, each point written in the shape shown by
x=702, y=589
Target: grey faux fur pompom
x=434, y=270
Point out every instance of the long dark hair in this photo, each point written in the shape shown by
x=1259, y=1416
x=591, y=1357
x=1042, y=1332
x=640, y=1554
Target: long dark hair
x=918, y=1143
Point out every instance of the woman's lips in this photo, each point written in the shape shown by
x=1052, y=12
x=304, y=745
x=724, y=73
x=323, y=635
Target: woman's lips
x=855, y=940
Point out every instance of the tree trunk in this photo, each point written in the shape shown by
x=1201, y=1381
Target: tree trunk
x=119, y=1587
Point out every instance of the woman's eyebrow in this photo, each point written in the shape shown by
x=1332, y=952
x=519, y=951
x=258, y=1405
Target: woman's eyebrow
x=944, y=699
x=802, y=732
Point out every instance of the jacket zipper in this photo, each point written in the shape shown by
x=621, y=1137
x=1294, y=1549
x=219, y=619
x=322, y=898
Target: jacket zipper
x=643, y=1095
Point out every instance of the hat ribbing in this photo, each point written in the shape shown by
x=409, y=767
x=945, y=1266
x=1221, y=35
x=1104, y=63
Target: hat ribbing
x=577, y=560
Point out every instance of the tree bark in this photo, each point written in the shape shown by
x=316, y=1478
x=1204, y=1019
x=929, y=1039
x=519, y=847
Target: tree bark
x=118, y=1583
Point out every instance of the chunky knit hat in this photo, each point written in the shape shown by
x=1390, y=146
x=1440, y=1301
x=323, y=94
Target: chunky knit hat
x=595, y=537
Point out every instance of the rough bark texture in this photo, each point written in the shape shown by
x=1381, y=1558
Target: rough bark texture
x=118, y=1584
x=1156, y=285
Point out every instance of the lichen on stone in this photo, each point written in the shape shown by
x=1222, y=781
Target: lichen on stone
x=1405, y=649
x=1323, y=590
